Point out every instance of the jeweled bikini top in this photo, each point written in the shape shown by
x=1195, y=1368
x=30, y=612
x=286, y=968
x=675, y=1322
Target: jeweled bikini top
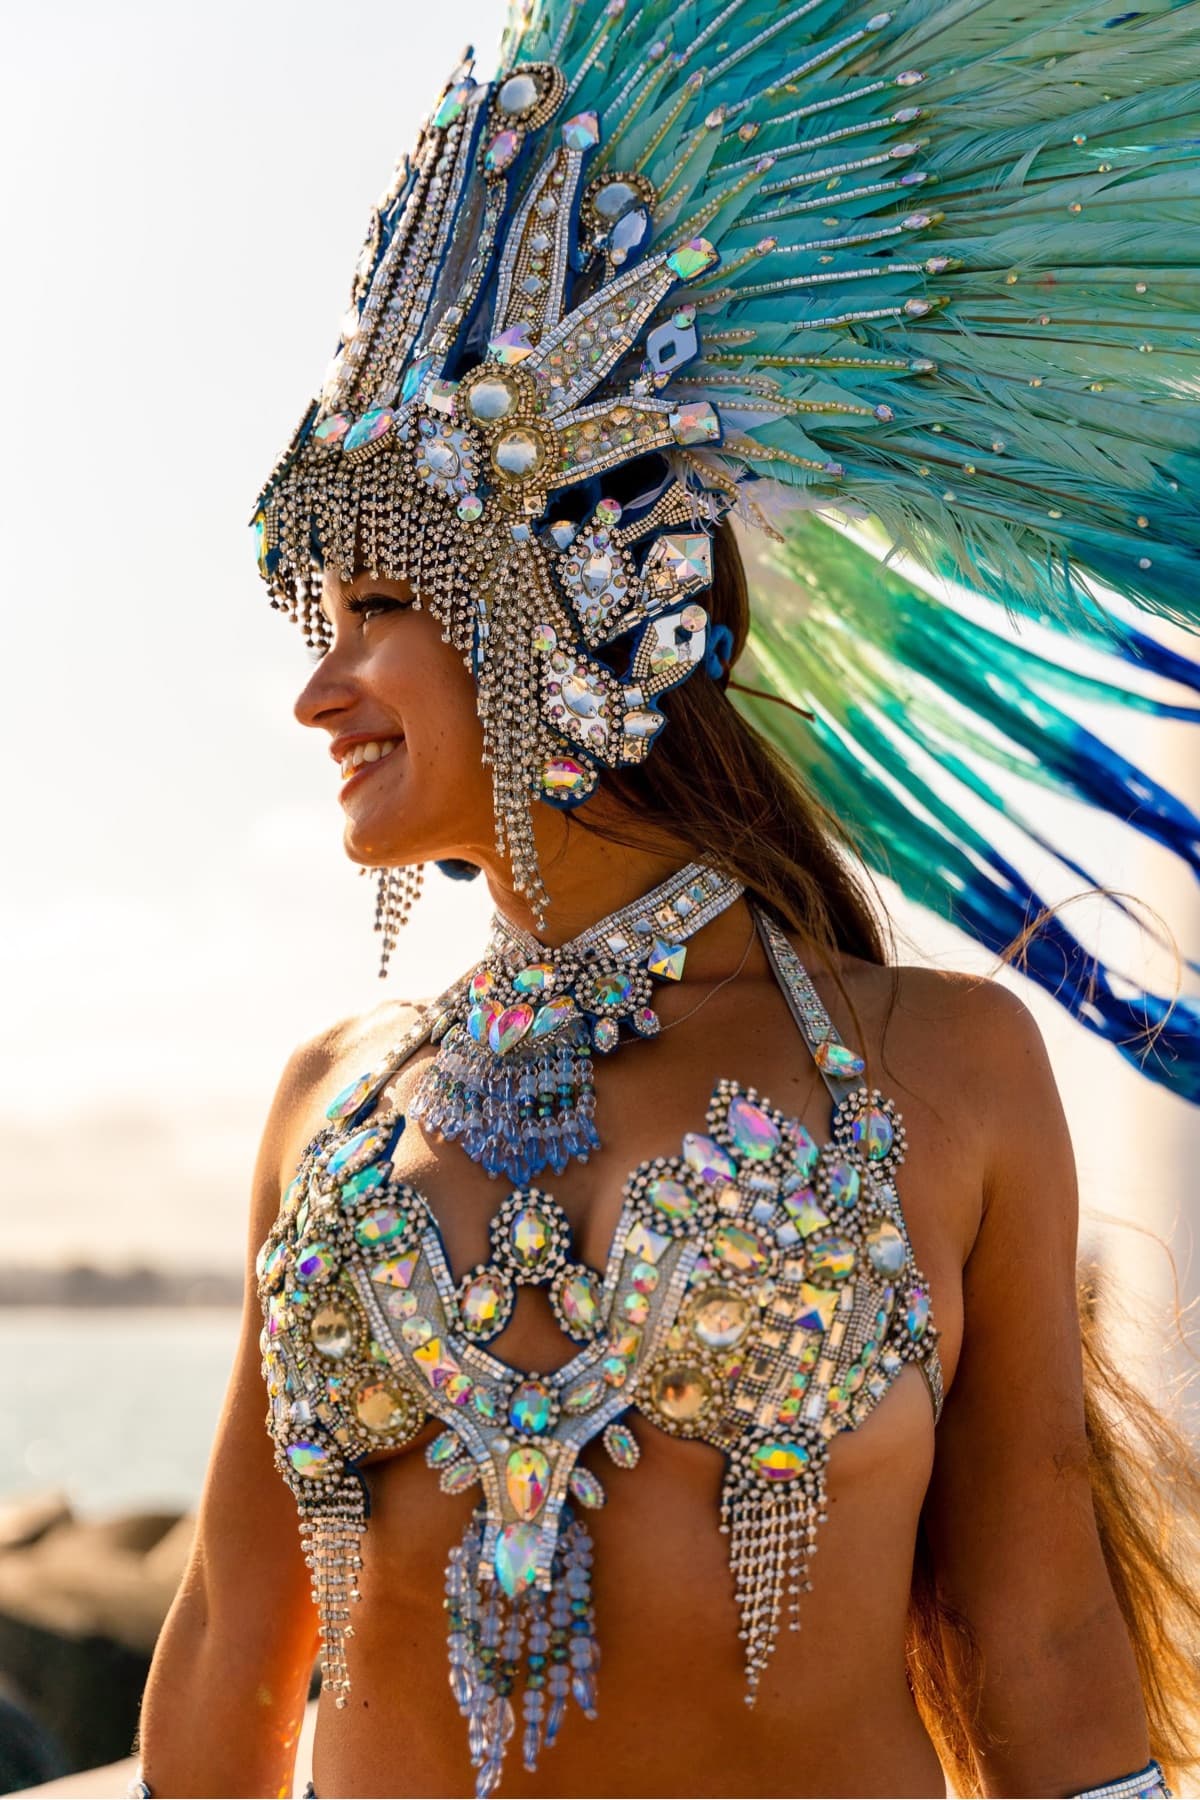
x=760, y=1295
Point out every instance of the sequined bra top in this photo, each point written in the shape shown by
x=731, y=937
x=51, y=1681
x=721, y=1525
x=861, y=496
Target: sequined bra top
x=760, y=1294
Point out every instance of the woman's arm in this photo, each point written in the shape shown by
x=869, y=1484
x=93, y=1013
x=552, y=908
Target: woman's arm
x=225, y=1697
x=1009, y=1512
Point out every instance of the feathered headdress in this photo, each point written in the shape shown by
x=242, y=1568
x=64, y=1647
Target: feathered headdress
x=931, y=268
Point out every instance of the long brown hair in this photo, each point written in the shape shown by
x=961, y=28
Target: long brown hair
x=734, y=800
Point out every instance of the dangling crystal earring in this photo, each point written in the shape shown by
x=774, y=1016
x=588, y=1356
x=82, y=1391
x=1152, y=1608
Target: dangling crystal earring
x=396, y=893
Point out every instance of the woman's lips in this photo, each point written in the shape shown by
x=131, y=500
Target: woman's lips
x=359, y=770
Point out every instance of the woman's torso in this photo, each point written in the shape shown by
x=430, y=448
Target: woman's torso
x=834, y=1714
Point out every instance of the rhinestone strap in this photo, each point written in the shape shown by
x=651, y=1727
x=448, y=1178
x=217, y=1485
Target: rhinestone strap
x=804, y=1002
x=636, y=923
x=1149, y=1783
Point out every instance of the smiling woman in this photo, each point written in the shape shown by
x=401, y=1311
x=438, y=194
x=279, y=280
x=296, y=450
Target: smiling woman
x=706, y=1327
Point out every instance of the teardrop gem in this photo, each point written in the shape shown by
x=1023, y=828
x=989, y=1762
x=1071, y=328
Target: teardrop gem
x=351, y=1097
x=506, y=1031
x=835, y=1059
x=527, y=1478
x=550, y=1017
x=753, y=1133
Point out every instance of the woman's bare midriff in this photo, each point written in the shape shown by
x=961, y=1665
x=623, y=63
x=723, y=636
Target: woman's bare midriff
x=834, y=1713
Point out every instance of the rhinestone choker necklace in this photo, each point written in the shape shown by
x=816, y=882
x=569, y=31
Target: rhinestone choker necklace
x=512, y=1080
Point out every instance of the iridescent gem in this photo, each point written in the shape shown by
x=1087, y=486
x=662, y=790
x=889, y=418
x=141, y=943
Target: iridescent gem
x=642, y=722
x=607, y=513
x=370, y=429
x=365, y=1182
x=843, y=1181
x=830, y=1258
x=741, y=1250
x=671, y=1198
x=458, y=1477
x=517, y=452
x=470, y=508
x=635, y=1308
x=817, y=1307
x=629, y=233
x=835, y=1059
x=691, y=259
x=413, y=376
x=331, y=431
x=579, y=1298
x=459, y=1389
x=436, y=1361
x=441, y=457
x=517, y=94
x=491, y=398
x=804, y=1213
x=622, y=1446
x=508, y=1028
x=444, y=1448
x=530, y=1237
x=308, y=1459
x=753, y=1133
x=533, y=979
x=680, y=1393
x=581, y=132
x=516, y=1557
x=707, y=1159
x=531, y=1407
x=645, y=1277
x=511, y=346
x=885, y=1249
x=585, y=1396
x=380, y=1226
x=666, y=959
x=416, y=1330
x=544, y=638
x=381, y=1408
x=722, y=1320
x=351, y=1098
x=480, y=1017
x=272, y=1265
x=779, y=1462
x=583, y=694
x=615, y=1371
x=481, y=984
x=316, y=1263
x=451, y=107
x=564, y=776
x=646, y=1244
x=527, y=1478
x=364, y=1145
x=916, y=1315
x=695, y=423
x=872, y=1132
x=586, y=1488
x=501, y=150
x=484, y=1303
x=606, y=988
x=563, y=532
x=484, y=1403
x=550, y=1017
x=645, y=1021
x=333, y=1331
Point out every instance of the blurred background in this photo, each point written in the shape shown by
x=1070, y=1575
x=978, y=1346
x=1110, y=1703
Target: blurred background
x=185, y=193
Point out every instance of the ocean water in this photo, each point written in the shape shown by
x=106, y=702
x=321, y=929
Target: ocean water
x=118, y=1409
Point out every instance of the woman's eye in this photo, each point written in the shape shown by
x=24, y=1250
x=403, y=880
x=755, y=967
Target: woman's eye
x=370, y=604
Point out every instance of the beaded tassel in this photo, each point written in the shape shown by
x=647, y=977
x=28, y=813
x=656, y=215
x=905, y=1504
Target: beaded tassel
x=330, y=1540
x=396, y=893
x=773, y=1536
x=491, y=1634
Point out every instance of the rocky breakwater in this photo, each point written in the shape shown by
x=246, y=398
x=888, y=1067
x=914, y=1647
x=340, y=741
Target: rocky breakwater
x=81, y=1605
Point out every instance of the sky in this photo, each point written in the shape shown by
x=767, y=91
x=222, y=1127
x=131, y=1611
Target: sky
x=185, y=190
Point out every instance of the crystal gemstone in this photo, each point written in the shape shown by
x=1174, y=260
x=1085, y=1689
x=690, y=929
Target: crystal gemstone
x=721, y=1321
x=779, y=1462
x=491, y=398
x=516, y=1557
x=517, y=453
x=753, y=1133
x=707, y=1159
x=527, y=1478
x=530, y=1237
x=680, y=1393
x=530, y=1408
x=885, y=1249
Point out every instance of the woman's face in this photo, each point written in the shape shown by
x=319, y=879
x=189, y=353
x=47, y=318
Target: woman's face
x=399, y=707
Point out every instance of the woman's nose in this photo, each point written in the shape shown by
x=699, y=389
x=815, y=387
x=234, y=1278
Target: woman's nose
x=327, y=692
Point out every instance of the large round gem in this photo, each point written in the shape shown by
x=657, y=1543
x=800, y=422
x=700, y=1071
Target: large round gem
x=722, y=1320
x=517, y=94
x=485, y=1302
x=517, y=452
x=740, y=1249
x=530, y=1237
x=916, y=1316
x=706, y=1157
x=315, y=1264
x=872, y=1132
x=307, y=1458
x=614, y=198
x=779, y=1462
x=583, y=696
x=516, y=1557
x=381, y=1408
x=442, y=457
x=533, y=979
x=752, y=1131
x=609, y=988
x=501, y=150
x=531, y=1407
x=579, y=1298
x=333, y=1331
x=491, y=398
x=830, y=1258
x=370, y=429
x=680, y=1393
x=885, y=1249
x=671, y=1198
x=381, y=1226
